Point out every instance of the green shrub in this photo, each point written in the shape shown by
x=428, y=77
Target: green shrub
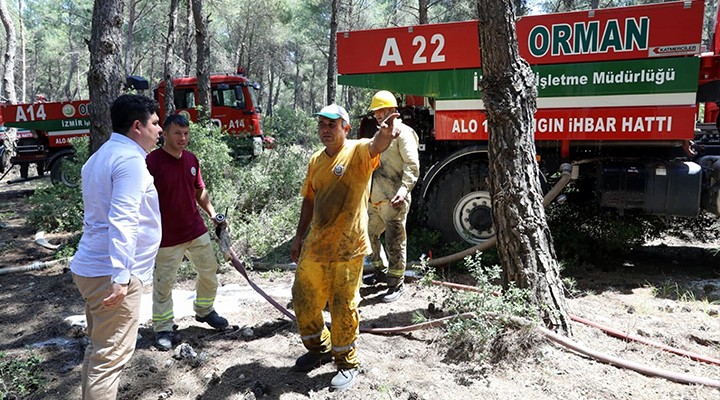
x=290, y=127
x=59, y=207
x=268, y=203
x=20, y=376
x=477, y=338
x=219, y=170
x=585, y=232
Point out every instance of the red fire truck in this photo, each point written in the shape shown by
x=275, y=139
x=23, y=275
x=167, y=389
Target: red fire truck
x=619, y=94
x=45, y=128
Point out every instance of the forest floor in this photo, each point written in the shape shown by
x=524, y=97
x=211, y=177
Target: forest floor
x=667, y=292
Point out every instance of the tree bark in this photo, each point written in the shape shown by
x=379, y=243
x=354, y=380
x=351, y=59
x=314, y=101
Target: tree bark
x=525, y=245
x=296, y=53
x=332, y=55
x=188, y=37
x=422, y=12
x=23, y=66
x=169, y=57
x=132, y=4
x=10, y=49
x=202, y=43
x=73, y=70
x=105, y=77
x=271, y=87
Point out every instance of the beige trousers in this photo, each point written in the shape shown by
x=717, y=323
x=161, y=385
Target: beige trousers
x=384, y=218
x=202, y=255
x=112, y=333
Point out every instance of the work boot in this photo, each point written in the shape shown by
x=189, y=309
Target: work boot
x=344, y=379
x=214, y=320
x=393, y=293
x=163, y=340
x=311, y=360
x=374, y=278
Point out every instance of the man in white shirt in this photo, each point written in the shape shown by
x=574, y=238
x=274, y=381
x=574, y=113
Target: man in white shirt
x=121, y=236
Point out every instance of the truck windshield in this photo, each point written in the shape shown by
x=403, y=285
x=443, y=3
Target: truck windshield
x=226, y=97
x=253, y=96
x=184, y=98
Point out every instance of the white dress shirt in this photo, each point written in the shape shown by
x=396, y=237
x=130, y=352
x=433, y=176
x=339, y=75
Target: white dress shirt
x=122, y=215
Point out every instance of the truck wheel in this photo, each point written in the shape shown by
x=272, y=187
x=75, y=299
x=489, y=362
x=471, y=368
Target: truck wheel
x=4, y=161
x=459, y=204
x=24, y=170
x=60, y=173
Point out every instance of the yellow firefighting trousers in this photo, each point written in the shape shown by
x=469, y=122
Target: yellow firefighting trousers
x=336, y=284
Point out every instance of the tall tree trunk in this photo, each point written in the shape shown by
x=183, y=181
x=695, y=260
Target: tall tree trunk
x=168, y=69
x=132, y=4
x=10, y=48
x=314, y=89
x=277, y=90
x=73, y=70
x=35, y=65
x=271, y=87
x=422, y=12
x=298, y=80
x=332, y=55
x=105, y=77
x=23, y=67
x=525, y=245
x=202, y=43
x=188, y=37
x=241, y=44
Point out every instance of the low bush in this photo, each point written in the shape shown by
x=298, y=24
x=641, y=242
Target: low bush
x=20, y=376
x=480, y=337
x=58, y=207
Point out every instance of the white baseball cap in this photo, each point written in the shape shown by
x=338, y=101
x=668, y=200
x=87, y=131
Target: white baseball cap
x=334, y=111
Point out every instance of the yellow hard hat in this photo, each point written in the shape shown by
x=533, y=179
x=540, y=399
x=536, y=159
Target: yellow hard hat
x=383, y=99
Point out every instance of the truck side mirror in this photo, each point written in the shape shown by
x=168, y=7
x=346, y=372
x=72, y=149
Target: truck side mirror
x=136, y=82
x=256, y=85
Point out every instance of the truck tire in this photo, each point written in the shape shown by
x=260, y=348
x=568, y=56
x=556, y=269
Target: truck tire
x=61, y=174
x=24, y=170
x=459, y=204
x=4, y=161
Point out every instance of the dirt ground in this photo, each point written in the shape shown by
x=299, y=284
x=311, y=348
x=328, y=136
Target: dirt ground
x=253, y=360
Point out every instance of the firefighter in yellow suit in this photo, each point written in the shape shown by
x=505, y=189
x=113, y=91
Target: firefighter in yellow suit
x=334, y=209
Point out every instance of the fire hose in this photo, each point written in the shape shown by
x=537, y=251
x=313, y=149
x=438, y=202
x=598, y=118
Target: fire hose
x=609, y=331
x=564, y=341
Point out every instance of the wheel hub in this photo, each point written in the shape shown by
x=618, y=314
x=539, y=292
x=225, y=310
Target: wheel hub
x=472, y=217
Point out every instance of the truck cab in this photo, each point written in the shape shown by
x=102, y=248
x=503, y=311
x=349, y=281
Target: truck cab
x=235, y=108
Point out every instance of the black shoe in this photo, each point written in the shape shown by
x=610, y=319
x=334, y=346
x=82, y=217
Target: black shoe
x=214, y=320
x=374, y=278
x=344, y=379
x=310, y=360
x=163, y=340
x=393, y=293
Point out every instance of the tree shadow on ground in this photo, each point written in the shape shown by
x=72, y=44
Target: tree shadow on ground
x=646, y=266
x=255, y=380
x=199, y=336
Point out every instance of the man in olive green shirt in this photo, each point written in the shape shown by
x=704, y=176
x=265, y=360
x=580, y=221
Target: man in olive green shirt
x=390, y=200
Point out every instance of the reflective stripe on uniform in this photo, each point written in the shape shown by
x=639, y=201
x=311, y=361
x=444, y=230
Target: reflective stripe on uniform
x=205, y=301
x=314, y=335
x=163, y=317
x=343, y=348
